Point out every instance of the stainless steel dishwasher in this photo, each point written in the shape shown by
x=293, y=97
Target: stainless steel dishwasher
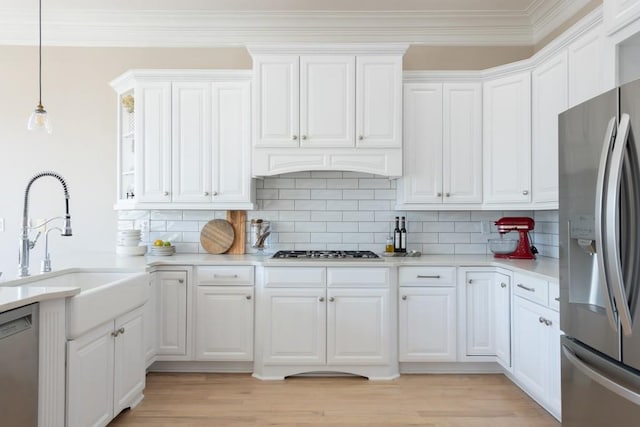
x=19, y=367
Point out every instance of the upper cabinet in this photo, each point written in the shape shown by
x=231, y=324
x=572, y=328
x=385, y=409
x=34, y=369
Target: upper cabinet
x=620, y=13
x=507, y=139
x=586, y=66
x=328, y=107
x=188, y=146
x=442, y=145
x=549, y=99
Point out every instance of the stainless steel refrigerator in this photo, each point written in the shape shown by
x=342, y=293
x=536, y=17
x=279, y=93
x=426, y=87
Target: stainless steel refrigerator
x=599, y=165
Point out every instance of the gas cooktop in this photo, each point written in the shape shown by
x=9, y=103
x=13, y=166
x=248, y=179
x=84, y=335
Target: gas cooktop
x=325, y=255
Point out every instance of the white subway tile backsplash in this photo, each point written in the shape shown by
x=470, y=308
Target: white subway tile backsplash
x=342, y=211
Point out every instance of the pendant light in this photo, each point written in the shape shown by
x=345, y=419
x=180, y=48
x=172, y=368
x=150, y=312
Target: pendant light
x=39, y=119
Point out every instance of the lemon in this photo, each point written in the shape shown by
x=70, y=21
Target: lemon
x=158, y=243
x=167, y=243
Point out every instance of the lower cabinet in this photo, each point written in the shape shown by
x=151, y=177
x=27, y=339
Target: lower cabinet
x=105, y=371
x=172, y=299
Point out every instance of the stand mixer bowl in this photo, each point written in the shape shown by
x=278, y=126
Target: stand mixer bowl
x=503, y=246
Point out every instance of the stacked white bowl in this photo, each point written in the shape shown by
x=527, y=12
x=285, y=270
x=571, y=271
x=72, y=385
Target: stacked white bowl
x=129, y=243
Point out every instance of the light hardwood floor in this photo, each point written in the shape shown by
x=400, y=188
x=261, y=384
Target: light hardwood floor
x=198, y=400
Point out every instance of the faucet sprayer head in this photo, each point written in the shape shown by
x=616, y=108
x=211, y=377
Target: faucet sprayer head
x=67, y=226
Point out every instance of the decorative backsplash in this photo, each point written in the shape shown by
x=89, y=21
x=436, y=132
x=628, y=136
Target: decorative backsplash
x=342, y=210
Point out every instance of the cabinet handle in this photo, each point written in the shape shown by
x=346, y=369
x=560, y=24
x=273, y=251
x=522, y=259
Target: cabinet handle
x=521, y=286
x=439, y=194
x=180, y=280
x=437, y=276
x=525, y=192
x=332, y=299
x=294, y=137
x=226, y=276
x=503, y=285
x=248, y=297
x=304, y=137
x=404, y=297
x=166, y=193
x=557, y=299
x=360, y=137
x=321, y=299
x=447, y=194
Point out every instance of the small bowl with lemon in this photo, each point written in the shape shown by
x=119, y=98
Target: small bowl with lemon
x=162, y=248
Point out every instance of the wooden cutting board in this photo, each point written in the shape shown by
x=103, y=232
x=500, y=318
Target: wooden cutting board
x=238, y=220
x=217, y=236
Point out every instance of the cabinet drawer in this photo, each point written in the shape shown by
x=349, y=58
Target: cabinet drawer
x=554, y=296
x=531, y=288
x=427, y=276
x=221, y=275
x=358, y=277
x=299, y=277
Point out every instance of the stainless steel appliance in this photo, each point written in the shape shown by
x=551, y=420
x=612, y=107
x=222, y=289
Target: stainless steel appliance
x=599, y=163
x=325, y=255
x=19, y=367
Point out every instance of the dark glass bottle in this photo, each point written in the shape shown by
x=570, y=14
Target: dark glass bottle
x=403, y=235
x=396, y=236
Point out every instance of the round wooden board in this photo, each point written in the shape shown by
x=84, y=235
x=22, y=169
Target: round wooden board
x=217, y=236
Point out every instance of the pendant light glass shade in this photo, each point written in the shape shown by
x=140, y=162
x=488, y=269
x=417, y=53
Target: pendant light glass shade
x=39, y=119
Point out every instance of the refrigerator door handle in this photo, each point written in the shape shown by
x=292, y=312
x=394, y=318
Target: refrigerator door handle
x=596, y=376
x=609, y=138
x=612, y=245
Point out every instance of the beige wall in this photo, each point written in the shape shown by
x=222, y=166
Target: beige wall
x=575, y=18
x=463, y=57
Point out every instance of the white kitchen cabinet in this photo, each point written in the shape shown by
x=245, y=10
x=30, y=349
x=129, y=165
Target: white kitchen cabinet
x=224, y=323
x=105, y=371
x=620, y=13
x=549, y=99
x=502, y=286
x=358, y=325
x=192, y=140
x=443, y=144
x=150, y=320
x=294, y=326
x=507, y=139
x=153, y=142
x=586, y=66
x=378, y=101
x=327, y=108
x=173, y=292
x=327, y=101
x=427, y=324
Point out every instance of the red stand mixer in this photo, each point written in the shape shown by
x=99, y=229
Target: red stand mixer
x=522, y=225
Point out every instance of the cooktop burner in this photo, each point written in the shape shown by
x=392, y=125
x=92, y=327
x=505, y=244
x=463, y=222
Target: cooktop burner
x=325, y=255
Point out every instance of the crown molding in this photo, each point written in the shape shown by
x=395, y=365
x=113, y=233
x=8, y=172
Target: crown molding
x=327, y=48
x=124, y=81
x=207, y=28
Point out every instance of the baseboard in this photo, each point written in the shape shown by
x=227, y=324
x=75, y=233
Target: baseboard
x=450, y=368
x=194, y=367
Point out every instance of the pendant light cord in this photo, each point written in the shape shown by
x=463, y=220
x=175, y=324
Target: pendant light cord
x=40, y=51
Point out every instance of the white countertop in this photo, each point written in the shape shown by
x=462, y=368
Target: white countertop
x=14, y=294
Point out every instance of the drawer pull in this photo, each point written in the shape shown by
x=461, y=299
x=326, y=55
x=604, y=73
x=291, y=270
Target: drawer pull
x=521, y=286
x=420, y=276
x=225, y=276
x=503, y=285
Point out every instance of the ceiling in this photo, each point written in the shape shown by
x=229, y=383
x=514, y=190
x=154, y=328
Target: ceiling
x=200, y=23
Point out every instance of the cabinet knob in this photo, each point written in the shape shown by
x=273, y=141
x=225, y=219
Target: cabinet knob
x=439, y=194
x=121, y=331
x=332, y=299
x=180, y=280
x=470, y=281
x=447, y=194
x=215, y=193
x=541, y=319
x=503, y=285
x=304, y=137
x=525, y=192
x=294, y=137
x=248, y=297
x=404, y=297
x=321, y=299
x=206, y=193
x=360, y=138
x=115, y=334
x=166, y=193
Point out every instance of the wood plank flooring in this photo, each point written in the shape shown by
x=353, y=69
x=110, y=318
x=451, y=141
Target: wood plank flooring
x=199, y=400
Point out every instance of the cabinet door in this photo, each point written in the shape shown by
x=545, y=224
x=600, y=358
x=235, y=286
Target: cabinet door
x=619, y=13
x=295, y=332
x=379, y=101
x=90, y=378
x=422, y=181
x=172, y=312
x=507, y=139
x=358, y=326
x=554, y=390
x=531, y=347
x=427, y=324
x=480, y=314
x=277, y=100
x=586, y=72
x=231, y=142
x=153, y=142
x=550, y=97
x=224, y=323
x=150, y=317
x=502, y=286
x=327, y=101
x=129, y=365
x=191, y=142
x=462, y=143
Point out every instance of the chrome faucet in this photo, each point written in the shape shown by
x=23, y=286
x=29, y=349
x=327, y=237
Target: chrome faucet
x=25, y=244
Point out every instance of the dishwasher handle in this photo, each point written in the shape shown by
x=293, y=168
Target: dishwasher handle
x=16, y=321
